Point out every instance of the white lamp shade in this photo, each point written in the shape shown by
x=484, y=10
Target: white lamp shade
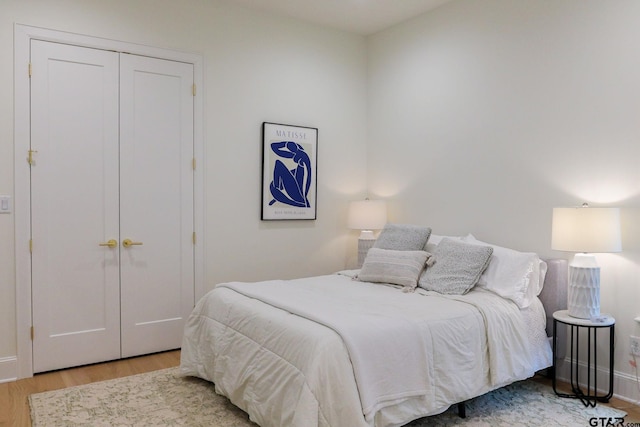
x=367, y=215
x=584, y=229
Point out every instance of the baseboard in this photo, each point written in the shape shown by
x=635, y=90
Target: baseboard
x=625, y=386
x=8, y=369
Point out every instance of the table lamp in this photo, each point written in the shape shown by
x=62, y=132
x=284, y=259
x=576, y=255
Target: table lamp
x=586, y=230
x=367, y=216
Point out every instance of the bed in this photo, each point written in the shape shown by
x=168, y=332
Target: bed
x=343, y=350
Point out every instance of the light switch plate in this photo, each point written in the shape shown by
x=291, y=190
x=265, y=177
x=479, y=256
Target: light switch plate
x=5, y=204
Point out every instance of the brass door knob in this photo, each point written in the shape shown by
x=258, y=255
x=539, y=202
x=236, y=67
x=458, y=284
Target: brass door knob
x=128, y=243
x=111, y=243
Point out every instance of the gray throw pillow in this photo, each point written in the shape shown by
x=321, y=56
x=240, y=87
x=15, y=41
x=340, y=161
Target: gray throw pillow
x=395, y=267
x=403, y=237
x=456, y=268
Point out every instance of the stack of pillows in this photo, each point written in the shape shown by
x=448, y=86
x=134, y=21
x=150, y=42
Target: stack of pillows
x=410, y=256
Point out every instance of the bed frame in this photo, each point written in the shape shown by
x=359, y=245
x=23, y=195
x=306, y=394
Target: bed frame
x=554, y=293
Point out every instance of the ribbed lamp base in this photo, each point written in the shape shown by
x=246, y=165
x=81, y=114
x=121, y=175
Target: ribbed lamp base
x=363, y=248
x=583, y=299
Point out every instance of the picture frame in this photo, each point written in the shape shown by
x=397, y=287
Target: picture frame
x=289, y=172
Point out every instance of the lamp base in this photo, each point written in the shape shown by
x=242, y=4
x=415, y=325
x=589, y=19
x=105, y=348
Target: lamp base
x=583, y=298
x=363, y=248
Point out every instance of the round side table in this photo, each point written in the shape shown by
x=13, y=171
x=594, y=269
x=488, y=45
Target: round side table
x=589, y=396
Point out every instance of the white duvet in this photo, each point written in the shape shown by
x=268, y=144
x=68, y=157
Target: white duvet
x=330, y=351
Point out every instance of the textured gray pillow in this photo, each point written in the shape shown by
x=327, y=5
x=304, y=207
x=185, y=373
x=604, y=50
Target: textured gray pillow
x=395, y=267
x=456, y=268
x=403, y=237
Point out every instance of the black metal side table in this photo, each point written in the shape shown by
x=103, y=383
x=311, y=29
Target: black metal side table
x=589, y=396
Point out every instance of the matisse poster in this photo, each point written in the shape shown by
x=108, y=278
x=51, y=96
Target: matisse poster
x=289, y=172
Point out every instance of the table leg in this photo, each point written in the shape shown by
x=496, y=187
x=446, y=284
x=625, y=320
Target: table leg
x=588, y=397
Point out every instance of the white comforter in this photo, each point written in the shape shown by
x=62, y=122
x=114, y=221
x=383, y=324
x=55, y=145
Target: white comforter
x=329, y=351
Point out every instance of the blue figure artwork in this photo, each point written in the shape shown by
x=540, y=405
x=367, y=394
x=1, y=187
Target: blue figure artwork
x=291, y=186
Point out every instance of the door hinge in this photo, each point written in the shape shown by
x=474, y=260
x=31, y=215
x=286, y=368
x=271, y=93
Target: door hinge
x=193, y=163
x=31, y=245
x=193, y=237
x=33, y=333
x=30, y=69
x=193, y=89
x=30, y=158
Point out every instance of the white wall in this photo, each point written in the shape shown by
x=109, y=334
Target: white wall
x=257, y=68
x=484, y=115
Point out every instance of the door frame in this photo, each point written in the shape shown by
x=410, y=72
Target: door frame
x=23, y=34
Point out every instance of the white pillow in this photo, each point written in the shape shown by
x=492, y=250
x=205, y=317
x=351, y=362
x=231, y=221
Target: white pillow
x=543, y=275
x=514, y=275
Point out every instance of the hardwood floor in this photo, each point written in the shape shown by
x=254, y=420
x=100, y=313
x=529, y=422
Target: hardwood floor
x=14, y=407
x=633, y=411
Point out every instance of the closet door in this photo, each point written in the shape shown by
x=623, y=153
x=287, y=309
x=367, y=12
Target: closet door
x=74, y=193
x=156, y=199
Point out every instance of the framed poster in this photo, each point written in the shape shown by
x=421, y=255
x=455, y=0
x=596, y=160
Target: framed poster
x=289, y=171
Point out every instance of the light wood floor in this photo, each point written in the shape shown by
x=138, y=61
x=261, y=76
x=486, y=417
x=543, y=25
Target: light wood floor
x=14, y=407
x=633, y=411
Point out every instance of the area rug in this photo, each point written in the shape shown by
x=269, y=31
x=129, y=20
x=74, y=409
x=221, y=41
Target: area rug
x=163, y=398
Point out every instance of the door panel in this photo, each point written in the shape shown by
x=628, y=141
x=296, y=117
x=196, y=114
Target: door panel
x=74, y=192
x=156, y=194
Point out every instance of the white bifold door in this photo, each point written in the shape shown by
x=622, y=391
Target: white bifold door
x=111, y=204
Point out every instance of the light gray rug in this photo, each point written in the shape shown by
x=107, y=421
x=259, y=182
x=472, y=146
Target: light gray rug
x=162, y=398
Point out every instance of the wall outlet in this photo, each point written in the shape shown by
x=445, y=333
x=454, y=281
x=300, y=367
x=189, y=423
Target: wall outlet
x=634, y=345
x=5, y=204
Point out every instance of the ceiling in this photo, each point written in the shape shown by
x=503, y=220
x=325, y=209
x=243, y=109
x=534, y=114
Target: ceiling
x=356, y=16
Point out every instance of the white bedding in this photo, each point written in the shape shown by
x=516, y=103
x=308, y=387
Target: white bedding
x=273, y=355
